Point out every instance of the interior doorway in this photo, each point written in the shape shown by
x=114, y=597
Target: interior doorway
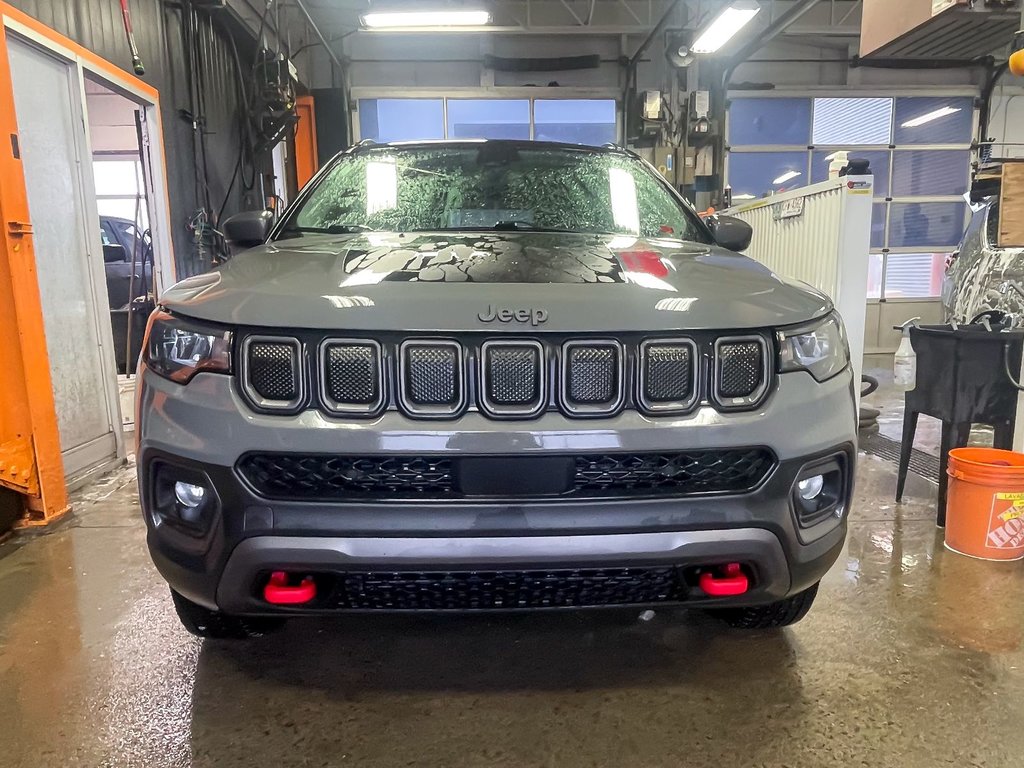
x=122, y=188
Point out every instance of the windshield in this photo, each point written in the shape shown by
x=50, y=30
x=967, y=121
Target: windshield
x=492, y=186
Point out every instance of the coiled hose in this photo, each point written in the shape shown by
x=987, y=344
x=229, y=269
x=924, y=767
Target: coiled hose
x=868, y=417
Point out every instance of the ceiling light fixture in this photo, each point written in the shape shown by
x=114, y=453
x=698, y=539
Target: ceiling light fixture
x=931, y=117
x=725, y=26
x=787, y=176
x=435, y=19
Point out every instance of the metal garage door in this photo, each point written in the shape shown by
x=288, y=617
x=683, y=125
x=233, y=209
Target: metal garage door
x=53, y=143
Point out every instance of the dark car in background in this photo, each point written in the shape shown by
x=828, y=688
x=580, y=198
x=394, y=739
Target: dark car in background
x=127, y=267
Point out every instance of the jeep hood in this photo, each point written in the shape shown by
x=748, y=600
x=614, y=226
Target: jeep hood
x=450, y=281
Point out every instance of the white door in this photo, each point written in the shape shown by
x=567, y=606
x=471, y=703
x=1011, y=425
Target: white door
x=69, y=261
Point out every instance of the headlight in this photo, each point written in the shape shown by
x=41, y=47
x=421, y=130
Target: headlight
x=819, y=349
x=179, y=349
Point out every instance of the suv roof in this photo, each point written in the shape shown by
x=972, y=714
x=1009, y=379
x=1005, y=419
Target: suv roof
x=606, y=149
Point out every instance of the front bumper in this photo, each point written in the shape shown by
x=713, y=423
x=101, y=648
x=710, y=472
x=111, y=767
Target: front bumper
x=205, y=427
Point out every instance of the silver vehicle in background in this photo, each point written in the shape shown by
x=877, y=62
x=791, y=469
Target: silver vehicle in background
x=983, y=278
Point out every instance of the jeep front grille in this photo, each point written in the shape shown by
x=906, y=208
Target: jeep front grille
x=506, y=589
x=330, y=477
x=503, y=377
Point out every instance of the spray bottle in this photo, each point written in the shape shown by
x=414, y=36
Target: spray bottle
x=904, y=367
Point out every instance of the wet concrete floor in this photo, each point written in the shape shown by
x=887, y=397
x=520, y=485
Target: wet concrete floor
x=911, y=657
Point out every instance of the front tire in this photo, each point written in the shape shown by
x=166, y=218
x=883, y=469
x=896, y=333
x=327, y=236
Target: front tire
x=771, y=616
x=202, y=622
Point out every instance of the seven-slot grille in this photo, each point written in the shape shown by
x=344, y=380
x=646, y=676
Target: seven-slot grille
x=508, y=378
x=740, y=372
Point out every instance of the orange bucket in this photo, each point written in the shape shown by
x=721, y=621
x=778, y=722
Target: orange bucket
x=985, y=506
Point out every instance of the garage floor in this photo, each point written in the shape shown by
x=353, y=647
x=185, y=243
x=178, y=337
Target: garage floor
x=911, y=657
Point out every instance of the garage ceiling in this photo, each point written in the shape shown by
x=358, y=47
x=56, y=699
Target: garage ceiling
x=830, y=20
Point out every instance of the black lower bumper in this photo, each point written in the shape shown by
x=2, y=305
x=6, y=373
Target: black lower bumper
x=492, y=554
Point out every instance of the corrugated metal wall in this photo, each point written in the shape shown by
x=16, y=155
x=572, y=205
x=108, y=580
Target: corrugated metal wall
x=96, y=24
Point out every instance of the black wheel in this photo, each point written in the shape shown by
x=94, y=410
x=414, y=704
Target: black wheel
x=202, y=622
x=780, y=614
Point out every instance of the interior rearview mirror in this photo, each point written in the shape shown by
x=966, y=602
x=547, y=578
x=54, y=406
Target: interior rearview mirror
x=249, y=228
x=731, y=233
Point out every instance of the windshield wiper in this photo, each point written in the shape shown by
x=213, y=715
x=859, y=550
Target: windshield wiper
x=334, y=229
x=515, y=225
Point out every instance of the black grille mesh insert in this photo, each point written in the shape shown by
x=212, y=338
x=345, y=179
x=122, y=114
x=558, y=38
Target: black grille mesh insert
x=432, y=375
x=272, y=368
x=668, y=373
x=352, y=374
x=740, y=368
x=513, y=375
x=503, y=590
x=287, y=476
x=339, y=478
x=592, y=374
x=721, y=471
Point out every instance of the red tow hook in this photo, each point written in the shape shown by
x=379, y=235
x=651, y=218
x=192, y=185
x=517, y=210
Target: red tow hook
x=727, y=581
x=277, y=591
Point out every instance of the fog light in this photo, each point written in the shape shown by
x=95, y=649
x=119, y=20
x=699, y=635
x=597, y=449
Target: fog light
x=189, y=495
x=811, y=488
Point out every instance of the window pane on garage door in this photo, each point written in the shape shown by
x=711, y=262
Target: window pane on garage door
x=926, y=225
x=930, y=172
x=401, y=119
x=821, y=160
x=756, y=174
x=934, y=120
x=488, y=119
x=852, y=121
x=770, y=122
x=878, y=213
x=574, y=121
x=914, y=275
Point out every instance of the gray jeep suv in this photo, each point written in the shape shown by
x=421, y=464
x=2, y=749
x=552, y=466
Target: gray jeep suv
x=476, y=376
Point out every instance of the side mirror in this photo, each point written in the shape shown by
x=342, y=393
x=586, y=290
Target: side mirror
x=249, y=228
x=114, y=253
x=731, y=233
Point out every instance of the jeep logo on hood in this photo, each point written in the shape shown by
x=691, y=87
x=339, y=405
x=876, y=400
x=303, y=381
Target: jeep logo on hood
x=521, y=315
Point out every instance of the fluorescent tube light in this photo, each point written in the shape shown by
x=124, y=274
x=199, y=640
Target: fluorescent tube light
x=725, y=26
x=931, y=117
x=787, y=176
x=437, y=18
